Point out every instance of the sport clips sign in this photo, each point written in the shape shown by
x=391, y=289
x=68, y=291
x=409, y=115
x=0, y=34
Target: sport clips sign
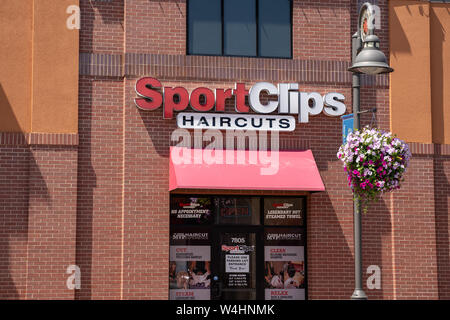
x=209, y=105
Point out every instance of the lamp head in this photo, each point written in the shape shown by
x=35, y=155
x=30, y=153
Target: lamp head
x=371, y=60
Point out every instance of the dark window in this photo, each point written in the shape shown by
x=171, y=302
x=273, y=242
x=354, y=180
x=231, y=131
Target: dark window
x=239, y=27
x=274, y=28
x=205, y=27
x=251, y=28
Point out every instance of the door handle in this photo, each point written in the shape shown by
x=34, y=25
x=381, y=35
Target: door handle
x=216, y=289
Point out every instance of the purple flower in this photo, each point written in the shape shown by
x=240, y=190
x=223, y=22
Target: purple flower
x=387, y=172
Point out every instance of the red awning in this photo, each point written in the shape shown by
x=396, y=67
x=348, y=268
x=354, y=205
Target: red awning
x=243, y=170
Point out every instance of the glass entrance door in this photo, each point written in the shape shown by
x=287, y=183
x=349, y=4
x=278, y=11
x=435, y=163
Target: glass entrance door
x=237, y=252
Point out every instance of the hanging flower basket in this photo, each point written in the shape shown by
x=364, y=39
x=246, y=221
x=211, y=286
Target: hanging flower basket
x=375, y=162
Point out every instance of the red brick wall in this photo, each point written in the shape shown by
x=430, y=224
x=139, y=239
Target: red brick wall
x=441, y=172
x=14, y=172
x=414, y=238
x=421, y=219
x=51, y=221
x=38, y=215
x=146, y=202
x=101, y=202
x=102, y=26
x=156, y=26
x=321, y=29
x=100, y=179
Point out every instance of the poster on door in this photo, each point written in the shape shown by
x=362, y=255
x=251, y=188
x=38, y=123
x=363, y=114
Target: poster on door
x=189, y=265
x=284, y=275
x=238, y=252
x=283, y=211
x=191, y=210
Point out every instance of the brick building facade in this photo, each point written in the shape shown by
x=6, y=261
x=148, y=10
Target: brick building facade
x=97, y=196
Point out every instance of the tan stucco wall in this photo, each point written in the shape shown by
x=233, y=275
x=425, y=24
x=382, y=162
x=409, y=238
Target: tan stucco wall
x=38, y=67
x=440, y=71
x=419, y=54
x=15, y=65
x=409, y=34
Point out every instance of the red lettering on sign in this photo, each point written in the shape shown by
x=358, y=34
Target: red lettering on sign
x=276, y=205
x=221, y=96
x=279, y=293
x=150, y=98
x=229, y=248
x=240, y=94
x=169, y=103
x=278, y=250
x=195, y=99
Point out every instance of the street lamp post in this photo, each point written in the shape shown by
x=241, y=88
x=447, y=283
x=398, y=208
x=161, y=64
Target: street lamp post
x=358, y=293
x=369, y=59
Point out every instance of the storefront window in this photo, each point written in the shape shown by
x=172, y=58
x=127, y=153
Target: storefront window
x=191, y=210
x=284, y=211
x=190, y=264
x=284, y=259
x=237, y=247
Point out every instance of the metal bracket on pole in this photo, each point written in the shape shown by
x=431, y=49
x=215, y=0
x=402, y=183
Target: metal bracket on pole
x=374, y=110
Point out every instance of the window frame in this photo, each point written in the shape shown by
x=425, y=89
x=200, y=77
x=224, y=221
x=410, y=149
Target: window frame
x=258, y=54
